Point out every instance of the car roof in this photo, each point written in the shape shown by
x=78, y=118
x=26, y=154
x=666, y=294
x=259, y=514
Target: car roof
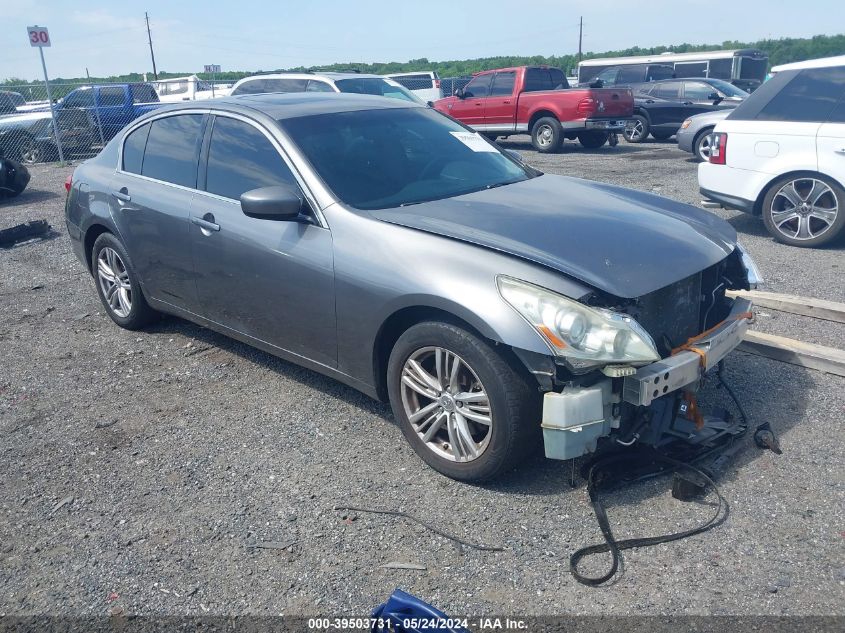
x=310, y=75
x=290, y=105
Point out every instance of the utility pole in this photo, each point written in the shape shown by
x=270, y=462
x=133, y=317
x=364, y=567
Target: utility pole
x=580, y=36
x=150, y=39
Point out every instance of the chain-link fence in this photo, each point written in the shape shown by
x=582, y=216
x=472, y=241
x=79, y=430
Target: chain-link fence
x=88, y=116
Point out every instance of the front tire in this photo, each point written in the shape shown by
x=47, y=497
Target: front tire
x=117, y=284
x=701, y=145
x=637, y=129
x=546, y=135
x=465, y=410
x=806, y=210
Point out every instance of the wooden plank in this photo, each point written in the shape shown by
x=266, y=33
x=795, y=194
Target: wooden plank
x=827, y=359
x=818, y=308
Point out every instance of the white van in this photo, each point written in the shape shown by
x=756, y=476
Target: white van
x=189, y=88
x=426, y=84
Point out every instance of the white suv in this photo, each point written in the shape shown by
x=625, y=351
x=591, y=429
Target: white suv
x=781, y=155
x=323, y=82
x=425, y=84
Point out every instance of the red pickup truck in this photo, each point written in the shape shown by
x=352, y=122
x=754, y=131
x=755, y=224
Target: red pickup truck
x=538, y=100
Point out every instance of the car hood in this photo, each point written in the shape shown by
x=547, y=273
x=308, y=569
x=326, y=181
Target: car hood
x=627, y=243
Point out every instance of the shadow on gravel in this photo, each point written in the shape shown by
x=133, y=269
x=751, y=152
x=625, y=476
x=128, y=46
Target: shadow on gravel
x=28, y=196
x=768, y=391
x=205, y=338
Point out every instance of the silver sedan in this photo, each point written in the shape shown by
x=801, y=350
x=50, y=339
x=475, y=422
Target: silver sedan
x=694, y=135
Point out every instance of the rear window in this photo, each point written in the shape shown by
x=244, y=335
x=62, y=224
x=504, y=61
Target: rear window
x=172, y=150
x=261, y=86
x=811, y=96
x=373, y=86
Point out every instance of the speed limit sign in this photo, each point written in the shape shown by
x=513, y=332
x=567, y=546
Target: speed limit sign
x=38, y=36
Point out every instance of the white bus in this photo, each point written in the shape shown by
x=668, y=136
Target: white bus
x=745, y=68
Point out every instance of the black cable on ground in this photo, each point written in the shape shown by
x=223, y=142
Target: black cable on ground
x=436, y=530
x=611, y=544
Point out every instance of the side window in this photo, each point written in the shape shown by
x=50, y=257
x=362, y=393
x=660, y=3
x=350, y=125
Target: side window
x=669, y=90
x=479, y=86
x=173, y=149
x=241, y=158
x=656, y=73
x=111, y=96
x=285, y=85
x=318, y=86
x=79, y=99
x=558, y=79
x=838, y=114
x=142, y=93
x=810, y=96
x=503, y=84
x=133, y=149
x=697, y=90
x=251, y=87
x=608, y=76
x=630, y=75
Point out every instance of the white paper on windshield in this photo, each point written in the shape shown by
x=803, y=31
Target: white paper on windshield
x=474, y=141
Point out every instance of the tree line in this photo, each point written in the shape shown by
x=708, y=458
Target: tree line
x=780, y=51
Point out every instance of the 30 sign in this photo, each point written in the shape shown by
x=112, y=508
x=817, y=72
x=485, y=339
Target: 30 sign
x=38, y=36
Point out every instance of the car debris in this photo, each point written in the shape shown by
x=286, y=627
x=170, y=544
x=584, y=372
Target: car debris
x=22, y=232
x=399, y=565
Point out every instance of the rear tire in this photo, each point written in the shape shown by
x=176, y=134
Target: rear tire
x=511, y=405
x=637, y=129
x=117, y=284
x=662, y=136
x=592, y=139
x=789, y=221
x=546, y=135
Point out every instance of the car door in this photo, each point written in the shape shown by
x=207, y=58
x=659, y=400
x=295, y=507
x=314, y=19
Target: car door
x=271, y=280
x=151, y=198
x=500, y=108
x=666, y=110
x=470, y=108
x=830, y=141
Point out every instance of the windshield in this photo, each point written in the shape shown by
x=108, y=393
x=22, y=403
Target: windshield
x=728, y=89
x=377, y=159
x=375, y=86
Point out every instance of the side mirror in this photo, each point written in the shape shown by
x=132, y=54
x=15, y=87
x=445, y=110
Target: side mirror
x=281, y=202
x=460, y=94
x=430, y=104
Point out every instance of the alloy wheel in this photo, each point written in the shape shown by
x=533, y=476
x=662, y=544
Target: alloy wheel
x=704, y=148
x=634, y=130
x=804, y=209
x=545, y=134
x=114, y=282
x=446, y=404
x=31, y=153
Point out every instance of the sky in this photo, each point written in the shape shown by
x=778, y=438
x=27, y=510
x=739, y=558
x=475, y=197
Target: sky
x=110, y=38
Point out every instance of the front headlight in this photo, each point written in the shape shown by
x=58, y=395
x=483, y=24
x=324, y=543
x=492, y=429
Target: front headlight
x=686, y=124
x=752, y=273
x=576, y=331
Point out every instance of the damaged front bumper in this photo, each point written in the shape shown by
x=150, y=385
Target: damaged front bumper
x=576, y=418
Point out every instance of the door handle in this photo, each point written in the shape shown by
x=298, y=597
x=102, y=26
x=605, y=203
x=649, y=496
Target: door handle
x=122, y=195
x=506, y=101
x=206, y=222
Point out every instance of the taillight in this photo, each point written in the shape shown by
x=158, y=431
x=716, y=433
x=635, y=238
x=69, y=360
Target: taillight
x=69, y=183
x=719, y=148
x=437, y=83
x=586, y=106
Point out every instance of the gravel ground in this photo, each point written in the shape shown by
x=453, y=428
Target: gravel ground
x=137, y=468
